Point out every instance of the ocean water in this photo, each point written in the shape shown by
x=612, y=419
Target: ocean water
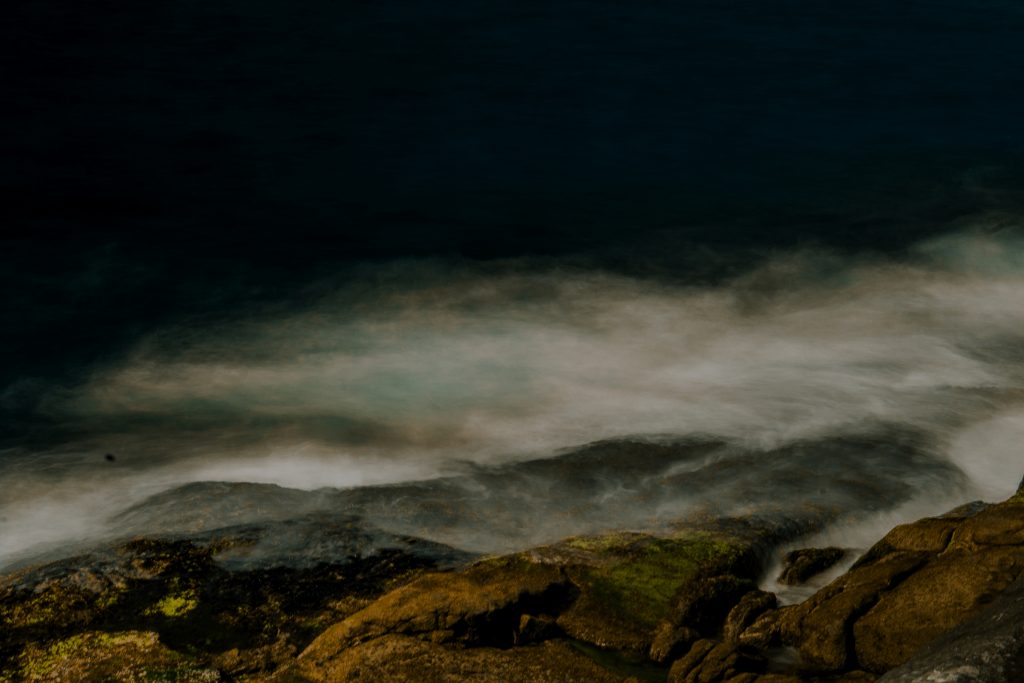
x=355, y=245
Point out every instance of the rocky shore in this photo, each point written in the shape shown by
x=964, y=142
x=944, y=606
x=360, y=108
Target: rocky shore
x=940, y=599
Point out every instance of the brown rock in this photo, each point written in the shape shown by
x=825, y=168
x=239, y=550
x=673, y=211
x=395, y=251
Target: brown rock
x=704, y=604
x=930, y=535
x=682, y=668
x=399, y=659
x=482, y=605
x=743, y=678
x=927, y=535
x=919, y=581
x=628, y=585
x=1001, y=524
x=765, y=632
x=727, y=660
x=801, y=565
x=671, y=642
x=942, y=594
x=747, y=610
x=820, y=627
x=711, y=662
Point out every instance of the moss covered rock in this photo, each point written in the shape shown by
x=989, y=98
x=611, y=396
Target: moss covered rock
x=100, y=657
x=629, y=585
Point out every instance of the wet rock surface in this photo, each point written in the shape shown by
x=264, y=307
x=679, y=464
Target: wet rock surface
x=806, y=563
x=234, y=622
x=319, y=596
x=919, y=582
x=940, y=596
x=645, y=484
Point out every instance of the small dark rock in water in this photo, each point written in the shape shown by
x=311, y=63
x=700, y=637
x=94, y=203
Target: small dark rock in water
x=801, y=565
x=109, y=457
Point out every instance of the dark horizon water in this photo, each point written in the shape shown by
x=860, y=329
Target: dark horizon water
x=246, y=240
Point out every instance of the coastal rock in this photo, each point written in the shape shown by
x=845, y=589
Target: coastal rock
x=613, y=607
x=700, y=607
x=705, y=604
x=482, y=606
x=801, y=565
x=988, y=648
x=611, y=591
x=820, y=627
x=984, y=555
x=671, y=642
x=919, y=581
x=102, y=657
x=709, y=661
x=629, y=585
x=745, y=613
x=245, y=621
x=404, y=658
x=683, y=667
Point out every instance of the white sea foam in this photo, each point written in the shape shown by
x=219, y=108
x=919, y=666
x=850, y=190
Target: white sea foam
x=401, y=375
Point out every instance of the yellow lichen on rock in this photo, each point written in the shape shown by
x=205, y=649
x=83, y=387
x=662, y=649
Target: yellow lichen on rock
x=124, y=657
x=175, y=605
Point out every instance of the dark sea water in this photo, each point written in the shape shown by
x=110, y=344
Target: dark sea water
x=351, y=243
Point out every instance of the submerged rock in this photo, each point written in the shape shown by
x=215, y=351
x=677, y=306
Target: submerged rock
x=629, y=483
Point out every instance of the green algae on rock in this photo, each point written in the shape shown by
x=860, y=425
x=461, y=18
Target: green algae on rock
x=627, y=584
